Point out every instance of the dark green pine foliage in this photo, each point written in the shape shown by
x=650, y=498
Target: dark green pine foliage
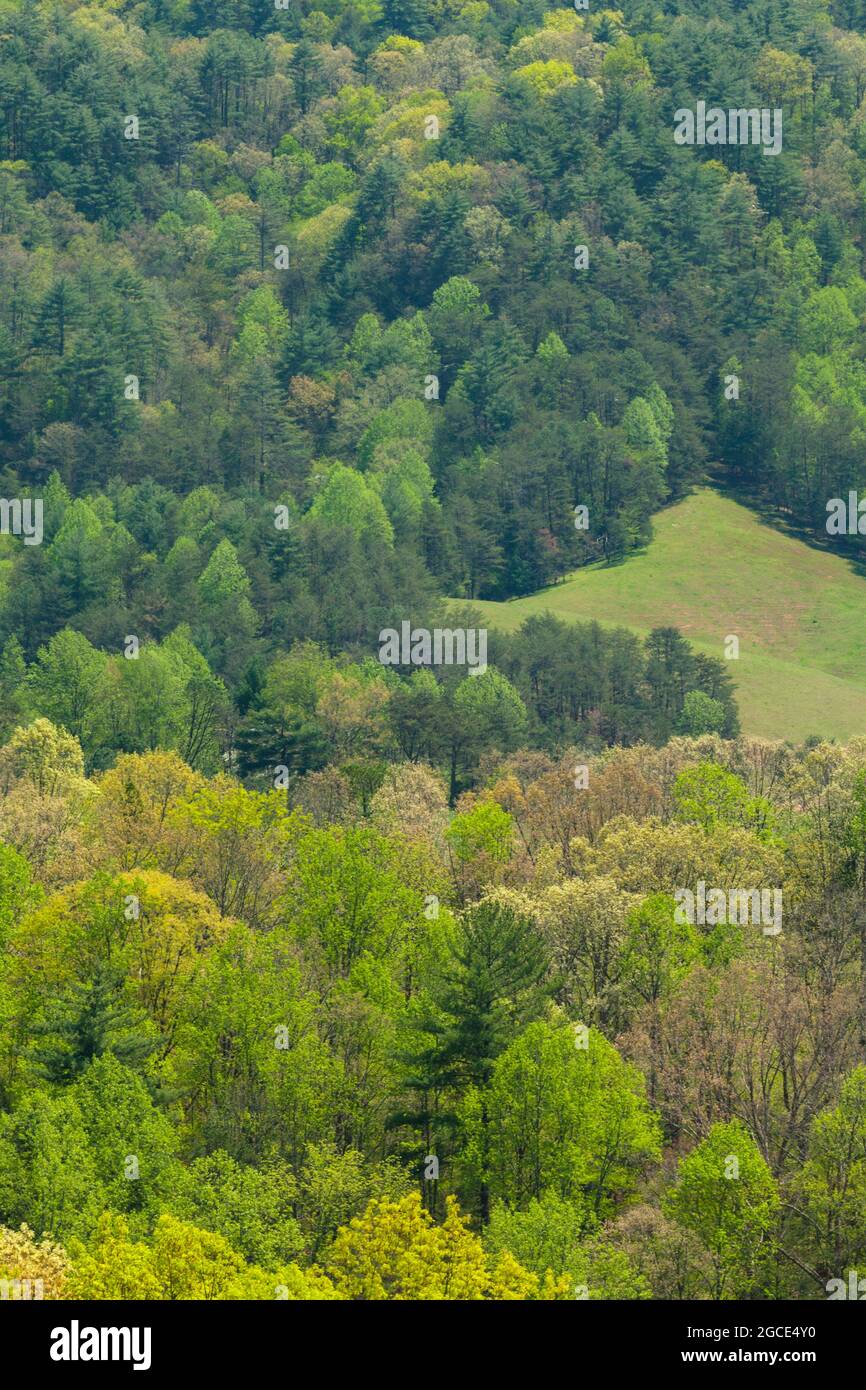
x=496, y=980
x=93, y=1018
x=265, y=741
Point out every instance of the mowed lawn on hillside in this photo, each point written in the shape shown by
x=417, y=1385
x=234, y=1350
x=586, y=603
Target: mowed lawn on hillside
x=714, y=568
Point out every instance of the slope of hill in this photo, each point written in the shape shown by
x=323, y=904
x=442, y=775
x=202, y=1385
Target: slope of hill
x=714, y=568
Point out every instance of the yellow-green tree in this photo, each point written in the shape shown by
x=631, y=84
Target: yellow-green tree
x=180, y=1262
x=396, y=1251
x=153, y=930
x=31, y=1268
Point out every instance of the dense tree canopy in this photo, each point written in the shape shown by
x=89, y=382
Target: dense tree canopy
x=323, y=978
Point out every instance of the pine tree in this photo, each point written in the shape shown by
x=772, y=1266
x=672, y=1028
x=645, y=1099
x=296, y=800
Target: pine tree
x=92, y=1019
x=496, y=980
x=265, y=741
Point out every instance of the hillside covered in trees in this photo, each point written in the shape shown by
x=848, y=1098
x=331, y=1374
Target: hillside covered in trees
x=323, y=978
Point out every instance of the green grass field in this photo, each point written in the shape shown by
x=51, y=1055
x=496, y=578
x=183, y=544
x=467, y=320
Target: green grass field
x=713, y=568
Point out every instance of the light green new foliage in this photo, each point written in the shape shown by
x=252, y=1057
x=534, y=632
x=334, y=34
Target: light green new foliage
x=543, y=79
x=643, y=433
x=726, y=1194
x=552, y=350
x=404, y=481
x=832, y=1183
x=262, y=308
x=710, y=796
x=223, y=577
x=486, y=829
x=564, y=1115
x=48, y=757
x=408, y=420
x=334, y=1187
x=658, y=950
x=265, y=1080
x=348, y=500
x=75, y=548
x=663, y=411
x=133, y=1142
x=545, y=1234
x=353, y=894
x=826, y=321
x=701, y=714
x=18, y=893
x=252, y=1208
x=557, y=1235
x=66, y=682
x=406, y=343
x=48, y=1169
x=490, y=701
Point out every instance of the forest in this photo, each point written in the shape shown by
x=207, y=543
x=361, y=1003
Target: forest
x=323, y=978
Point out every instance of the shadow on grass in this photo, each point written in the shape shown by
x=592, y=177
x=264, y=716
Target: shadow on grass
x=779, y=519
